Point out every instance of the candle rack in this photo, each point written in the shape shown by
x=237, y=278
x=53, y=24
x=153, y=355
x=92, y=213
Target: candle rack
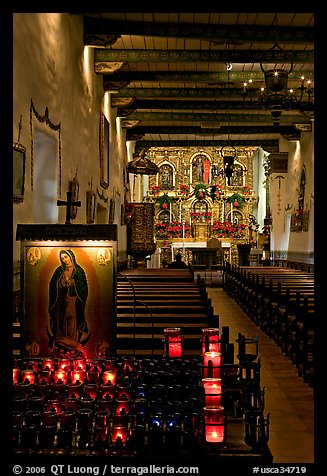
x=157, y=404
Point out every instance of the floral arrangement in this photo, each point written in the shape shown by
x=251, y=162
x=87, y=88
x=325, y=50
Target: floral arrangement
x=164, y=201
x=200, y=190
x=185, y=189
x=155, y=189
x=172, y=230
x=246, y=190
x=197, y=215
x=236, y=199
x=216, y=191
x=227, y=230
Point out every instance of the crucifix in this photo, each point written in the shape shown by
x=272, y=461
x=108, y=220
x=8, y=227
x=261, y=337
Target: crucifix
x=69, y=204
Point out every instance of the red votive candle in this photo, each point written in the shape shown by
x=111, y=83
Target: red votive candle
x=212, y=364
x=118, y=433
x=109, y=376
x=212, y=391
x=60, y=376
x=77, y=376
x=214, y=424
x=28, y=377
x=128, y=362
x=63, y=364
x=15, y=376
x=91, y=389
x=122, y=406
x=173, y=342
x=48, y=363
x=210, y=340
x=79, y=364
x=44, y=376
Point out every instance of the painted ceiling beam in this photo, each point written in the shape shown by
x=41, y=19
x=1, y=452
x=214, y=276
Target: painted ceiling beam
x=140, y=131
x=97, y=31
x=121, y=79
x=269, y=145
x=202, y=56
x=213, y=117
x=187, y=105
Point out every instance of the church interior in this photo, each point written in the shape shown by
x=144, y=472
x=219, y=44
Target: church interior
x=141, y=140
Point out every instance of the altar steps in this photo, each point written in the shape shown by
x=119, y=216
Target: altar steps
x=149, y=300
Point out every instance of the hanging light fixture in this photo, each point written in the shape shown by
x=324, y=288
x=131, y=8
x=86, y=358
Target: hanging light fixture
x=228, y=152
x=141, y=165
x=276, y=96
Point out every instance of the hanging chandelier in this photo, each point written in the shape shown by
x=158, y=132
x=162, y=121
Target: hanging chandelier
x=228, y=151
x=277, y=96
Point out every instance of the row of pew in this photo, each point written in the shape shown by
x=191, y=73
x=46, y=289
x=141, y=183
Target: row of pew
x=281, y=301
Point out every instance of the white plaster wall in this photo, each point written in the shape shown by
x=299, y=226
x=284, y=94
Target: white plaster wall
x=52, y=67
x=301, y=153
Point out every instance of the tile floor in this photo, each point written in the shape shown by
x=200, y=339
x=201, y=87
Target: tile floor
x=288, y=399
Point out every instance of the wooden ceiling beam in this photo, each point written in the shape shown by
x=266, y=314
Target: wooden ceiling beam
x=97, y=30
x=269, y=145
x=202, y=56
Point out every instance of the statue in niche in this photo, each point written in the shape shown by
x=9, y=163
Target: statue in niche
x=166, y=177
x=206, y=170
x=201, y=207
x=199, y=170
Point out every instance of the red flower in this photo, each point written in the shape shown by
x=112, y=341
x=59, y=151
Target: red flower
x=235, y=204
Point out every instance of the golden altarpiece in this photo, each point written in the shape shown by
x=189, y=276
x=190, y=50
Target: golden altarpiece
x=194, y=201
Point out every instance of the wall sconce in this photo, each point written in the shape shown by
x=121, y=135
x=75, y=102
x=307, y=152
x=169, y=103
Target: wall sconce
x=173, y=342
x=210, y=340
x=214, y=424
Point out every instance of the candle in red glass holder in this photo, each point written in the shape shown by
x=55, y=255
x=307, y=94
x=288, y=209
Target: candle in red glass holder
x=109, y=376
x=210, y=339
x=79, y=364
x=128, y=362
x=92, y=375
x=28, y=377
x=212, y=364
x=77, y=376
x=63, y=364
x=107, y=391
x=173, y=342
x=60, y=376
x=118, y=435
x=214, y=424
x=15, y=376
x=91, y=389
x=44, y=376
x=122, y=406
x=74, y=390
x=48, y=363
x=212, y=391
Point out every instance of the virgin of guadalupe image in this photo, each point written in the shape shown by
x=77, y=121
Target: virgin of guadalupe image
x=68, y=291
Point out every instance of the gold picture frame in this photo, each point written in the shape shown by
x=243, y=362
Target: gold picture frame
x=19, y=159
x=104, y=140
